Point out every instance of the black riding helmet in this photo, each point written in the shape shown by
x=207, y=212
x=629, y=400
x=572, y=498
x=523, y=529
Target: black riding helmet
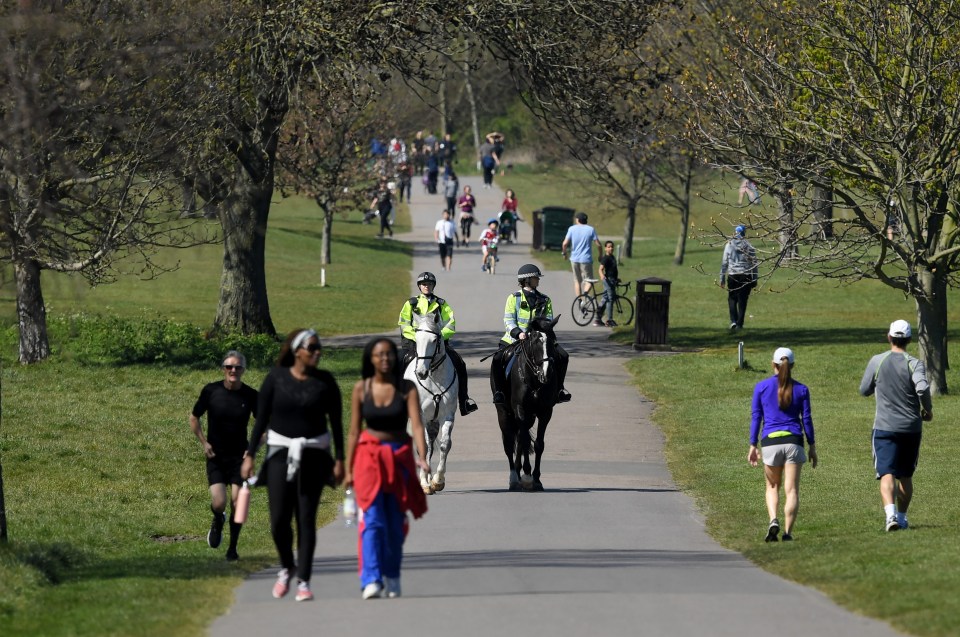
x=426, y=277
x=527, y=271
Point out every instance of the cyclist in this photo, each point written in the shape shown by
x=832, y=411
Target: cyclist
x=488, y=242
x=522, y=306
x=424, y=303
x=610, y=276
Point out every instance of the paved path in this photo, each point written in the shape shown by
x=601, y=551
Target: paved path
x=610, y=548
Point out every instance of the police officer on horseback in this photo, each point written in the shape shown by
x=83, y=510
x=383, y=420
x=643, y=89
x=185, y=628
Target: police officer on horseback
x=522, y=306
x=425, y=303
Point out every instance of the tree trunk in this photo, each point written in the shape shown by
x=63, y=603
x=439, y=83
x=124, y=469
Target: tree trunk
x=243, y=306
x=932, y=328
x=326, y=239
x=472, y=101
x=628, y=229
x=788, y=231
x=442, y=106
x=681, y=250
x=31, y=313
x=822, y=205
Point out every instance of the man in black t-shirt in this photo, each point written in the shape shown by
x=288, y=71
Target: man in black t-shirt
x=228, y=405
x=610, y=275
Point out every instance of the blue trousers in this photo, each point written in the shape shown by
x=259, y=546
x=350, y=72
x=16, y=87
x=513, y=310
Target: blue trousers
x=382, y=532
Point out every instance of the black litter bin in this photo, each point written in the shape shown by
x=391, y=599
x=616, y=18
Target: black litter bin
x=550, y=225
x=653, y=309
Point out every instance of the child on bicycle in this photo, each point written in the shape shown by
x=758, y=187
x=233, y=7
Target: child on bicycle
x=488, y=242
x=610, y=276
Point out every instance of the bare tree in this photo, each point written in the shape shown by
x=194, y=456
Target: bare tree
x=322, y=152
x=92, y=109
x=862, y=100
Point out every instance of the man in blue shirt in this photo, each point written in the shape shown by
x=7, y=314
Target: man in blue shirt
x=579, y=240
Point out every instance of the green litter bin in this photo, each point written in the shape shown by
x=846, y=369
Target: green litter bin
x=550, y=225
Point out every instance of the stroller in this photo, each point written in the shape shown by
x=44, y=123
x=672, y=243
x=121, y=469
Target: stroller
x=507, y=220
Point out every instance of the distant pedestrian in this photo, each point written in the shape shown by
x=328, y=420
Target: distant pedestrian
x=445, y=233
x=381, y=466
x=579, y=241
x=738, y=273
x=383, y=204
x=300, y=411
x=748, y=188
x=228, y=405
x=610, y=276
x=511, y=205
x=903, y=404
x=451, y=188
x=405, y=180
x=781, y=419
x=488, y=160
x=466, y=204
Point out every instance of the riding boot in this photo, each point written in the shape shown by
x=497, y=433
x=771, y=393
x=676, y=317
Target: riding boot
x=408, y=352
x=563, y=359
x=467, y=405
x=497, y=378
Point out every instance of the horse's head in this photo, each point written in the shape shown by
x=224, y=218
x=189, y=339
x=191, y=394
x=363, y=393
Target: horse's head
x=541, y=344
x=429, y=342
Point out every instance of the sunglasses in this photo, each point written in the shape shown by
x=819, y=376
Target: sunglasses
x=232, y=368
x=313, y=347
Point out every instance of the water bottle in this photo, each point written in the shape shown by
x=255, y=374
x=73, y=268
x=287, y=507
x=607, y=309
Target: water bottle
x=243, y=504
x=349, y=508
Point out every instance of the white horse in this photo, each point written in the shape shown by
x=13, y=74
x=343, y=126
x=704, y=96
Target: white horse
x=436, y=379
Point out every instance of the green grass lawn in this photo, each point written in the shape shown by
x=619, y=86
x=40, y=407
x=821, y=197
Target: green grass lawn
x=106, y=492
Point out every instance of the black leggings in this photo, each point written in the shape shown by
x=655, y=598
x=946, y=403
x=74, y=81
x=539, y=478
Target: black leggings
x=298, y=498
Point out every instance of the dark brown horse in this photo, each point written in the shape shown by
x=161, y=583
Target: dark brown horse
x=530, y=393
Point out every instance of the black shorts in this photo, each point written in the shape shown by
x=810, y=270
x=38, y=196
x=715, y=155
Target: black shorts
x=224, y=470
x=895, y=453
x=446, y=249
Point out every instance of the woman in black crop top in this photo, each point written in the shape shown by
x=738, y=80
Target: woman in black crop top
x=296, y=403
x=381, y=467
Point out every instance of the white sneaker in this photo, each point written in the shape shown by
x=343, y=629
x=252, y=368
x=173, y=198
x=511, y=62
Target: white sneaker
x=892, y=524
x=372, y=591
x=392, y=584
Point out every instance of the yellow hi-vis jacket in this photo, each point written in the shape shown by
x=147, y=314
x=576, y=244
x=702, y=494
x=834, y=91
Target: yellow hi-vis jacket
x=426, y=305
x=521, y=307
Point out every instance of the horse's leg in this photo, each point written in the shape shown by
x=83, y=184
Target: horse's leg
x=523, y=456
x=430, y=430
x=542, y=421
x=446, y=444
x=509, y=435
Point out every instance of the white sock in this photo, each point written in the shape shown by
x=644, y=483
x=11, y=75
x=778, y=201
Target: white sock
x=890, y=510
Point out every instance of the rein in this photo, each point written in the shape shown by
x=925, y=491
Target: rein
x=434, y=366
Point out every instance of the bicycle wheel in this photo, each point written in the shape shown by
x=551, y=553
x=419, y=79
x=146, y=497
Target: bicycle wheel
x=584, y=309
x=622, y=310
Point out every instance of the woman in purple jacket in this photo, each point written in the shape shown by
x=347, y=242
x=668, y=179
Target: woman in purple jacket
x=781, y=419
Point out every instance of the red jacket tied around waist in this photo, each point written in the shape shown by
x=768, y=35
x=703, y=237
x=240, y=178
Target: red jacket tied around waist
x=378, y=467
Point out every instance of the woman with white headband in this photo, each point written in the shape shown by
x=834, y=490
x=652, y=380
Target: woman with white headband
x=299, y=410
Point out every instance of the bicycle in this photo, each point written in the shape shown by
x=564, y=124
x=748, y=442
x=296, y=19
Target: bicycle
x=589, y=306
x=490, y=262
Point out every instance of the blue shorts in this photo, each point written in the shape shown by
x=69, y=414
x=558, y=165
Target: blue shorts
x=895, y=453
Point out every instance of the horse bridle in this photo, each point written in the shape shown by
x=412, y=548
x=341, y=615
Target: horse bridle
x=527, y=361
x=437, y=398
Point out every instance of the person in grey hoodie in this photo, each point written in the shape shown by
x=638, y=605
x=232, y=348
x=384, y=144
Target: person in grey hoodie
x=738, y=274
x=903, y=404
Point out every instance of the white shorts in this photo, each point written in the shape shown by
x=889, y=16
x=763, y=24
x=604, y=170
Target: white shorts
x=779, y=455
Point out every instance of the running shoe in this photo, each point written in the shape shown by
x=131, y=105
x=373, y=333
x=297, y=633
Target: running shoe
x=303, y=592
x=392, y=585
x=373, y=591
x=597, y=323
x=232, y=555
x=786, y=537
x=215, y=535
x=283, y=584
x=892, y=524
x=902, y=521
x=611, y=323
x=772, y=531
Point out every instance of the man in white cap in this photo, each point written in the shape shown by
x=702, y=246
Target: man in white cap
x=903, y=403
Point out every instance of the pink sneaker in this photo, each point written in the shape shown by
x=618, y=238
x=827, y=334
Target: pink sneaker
x=303, y=592
x=283, y=584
